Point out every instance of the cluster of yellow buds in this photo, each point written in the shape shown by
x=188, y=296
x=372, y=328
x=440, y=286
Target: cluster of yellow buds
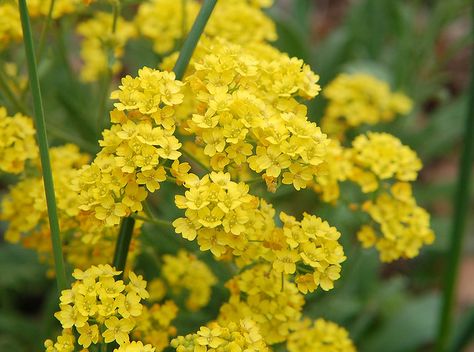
x=217, y=213
x=185, y=272
x=134, y=149
x=405, y=227
x=219, y=337
x=310, y=249
x=381, y=156
x=101, y=42
x=266, y=297
x=17, y=142
x=322, y=336
x=357, y=99
x=101, y=308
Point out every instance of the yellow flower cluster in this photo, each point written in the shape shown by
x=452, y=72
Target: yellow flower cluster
x=102, y=46
x=247, y=114
x=27, y=196
x=165, y=22
x=185, y=272
x=323, y=336
x=310, y=249
x=24, y=207
x=356, y=99
x=266, y=297
x=10, y=25
x=381, y=156
x=153, y=326
x=217, y=213
x=100, y=308
x=218, y=337
x=375, y=161
x=17, y=142
x=405, y=227
x=227, y=220
x=134, y=149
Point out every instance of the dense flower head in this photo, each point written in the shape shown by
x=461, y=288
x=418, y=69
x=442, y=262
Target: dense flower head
x=134, y=149
x=266, y=297
x=100, y=41
x=27, y=196
x=310, y=249
x=166, y=23
x=246, y=114
x=17, y=142
x=24, y=207
x=356, y=99
x=218, y=211
x=242, y=335
x=381, y=156
x=101, y=308
x=321, y=336
x=403, y=225
x=185, y=272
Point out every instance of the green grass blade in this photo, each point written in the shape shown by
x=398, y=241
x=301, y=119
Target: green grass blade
x=193, y=38
x=461, y=207
x=43, y=146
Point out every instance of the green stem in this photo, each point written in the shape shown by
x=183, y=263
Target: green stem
x=45, y=28
x=193, y=38
x=461, y=207
x=43, y=146
x=123, y=243
x=154, y=221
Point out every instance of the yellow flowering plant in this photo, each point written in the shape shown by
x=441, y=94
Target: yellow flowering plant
x=191, y=199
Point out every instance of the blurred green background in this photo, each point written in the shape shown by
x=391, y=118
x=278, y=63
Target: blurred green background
x=420, y=47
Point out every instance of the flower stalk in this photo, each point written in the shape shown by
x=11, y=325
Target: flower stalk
x=43, y=146
x=461, y=208
x=193, y=37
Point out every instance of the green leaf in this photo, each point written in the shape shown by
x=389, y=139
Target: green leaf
x=413, y=325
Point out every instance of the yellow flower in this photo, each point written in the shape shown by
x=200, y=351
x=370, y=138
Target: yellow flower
x=88, y=334
x=118, y=330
